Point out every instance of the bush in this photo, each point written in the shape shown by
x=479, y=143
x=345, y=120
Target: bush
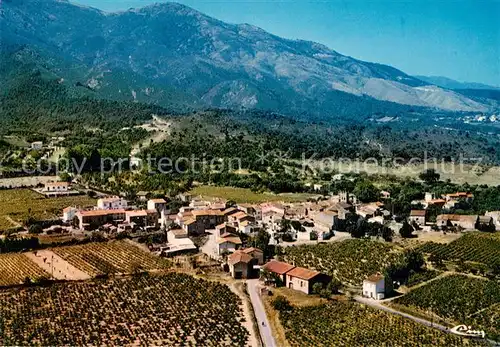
x=280, y=303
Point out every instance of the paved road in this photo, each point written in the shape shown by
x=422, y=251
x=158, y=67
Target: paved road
x=260, y=314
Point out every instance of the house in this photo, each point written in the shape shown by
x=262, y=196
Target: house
x=224, y=228
x=112, y=203
x=178, y=233
x=374, y=287
x=240, y=217
x=256, y=254
x=278, y=268
x=178, y=242
x=143, y=196
x=228, y=243
x=247, y=208
x=229, y=211
x=93, y=219
x=189, y=226
x=240, y=265
x=454, y=220
x=69, y=213
x=143, y=218
x=495, y=215
x=302, y=279
x=326, y=218
x=157, y=204
x=418, y=217
x=37, y=145
x=486, y=223
x=207, y=219
x=58, y=187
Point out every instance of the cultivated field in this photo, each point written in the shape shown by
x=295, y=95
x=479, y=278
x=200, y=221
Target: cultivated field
x=351, y=261
x=477, y=247
x=459, y=299
x=241, y=195
x=16, y=267
x=352, y=324
x=16, y=205
x=115, y=257
x=173, y=309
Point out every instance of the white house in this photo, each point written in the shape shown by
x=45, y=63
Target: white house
x=69, y=213
x=111, y=203
x=37, y=145
x=57, y=187
x=374, y=287
x=157, y=204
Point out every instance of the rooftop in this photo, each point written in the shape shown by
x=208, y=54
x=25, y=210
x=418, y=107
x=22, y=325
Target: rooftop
x=278, y=267
x=303, y=273
x=418, y=213
x=239, y=257
x=375, y=278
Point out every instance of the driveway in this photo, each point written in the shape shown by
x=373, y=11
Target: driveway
x=260, y=314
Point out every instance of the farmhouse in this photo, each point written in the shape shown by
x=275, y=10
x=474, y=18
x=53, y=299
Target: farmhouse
x=302, y=279
x=278, y=268
x=418, y=216
x=374, y=287
x=111, y=203
x=455, y=220
x=142, y=218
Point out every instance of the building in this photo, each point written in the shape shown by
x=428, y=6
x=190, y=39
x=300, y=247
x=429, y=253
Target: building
x=111, y=203
x=93, y=219
x=224, y=228
x=206, y=219
x=37, y=145
x=278, y=268
x=157, y=204
x=495, y=215
x=467, y=222
x=327, y=218
x=69, y=214
x=190, y=226
x=143, y=218
x=256, y=254
x=418, y=217
x=56, y=187
x=374, y=287
x=302, y=279
x=228, y=243
x=240, y=265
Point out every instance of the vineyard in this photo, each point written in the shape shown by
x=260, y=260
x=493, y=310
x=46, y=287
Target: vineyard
x=16, y=205
x=116, y=257
x=477, y=247
x=173, y=309
x=352, y=324
x=461, y=299
x=350, y=261
x=16, y=267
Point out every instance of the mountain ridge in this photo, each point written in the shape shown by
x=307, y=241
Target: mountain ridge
x=216, y=63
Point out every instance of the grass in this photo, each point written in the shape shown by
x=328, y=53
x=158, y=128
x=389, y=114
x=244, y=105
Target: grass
x=241, y=195
x=19, y=204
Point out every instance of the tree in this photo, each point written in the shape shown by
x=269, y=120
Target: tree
x=365, y=191
x=261, y=241
x=334, y=286
x=280, y=303
x=430, y=176
x=406, y=230
x=35, y=229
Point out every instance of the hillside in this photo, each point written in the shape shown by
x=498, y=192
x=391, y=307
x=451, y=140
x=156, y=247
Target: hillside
x=167, y=52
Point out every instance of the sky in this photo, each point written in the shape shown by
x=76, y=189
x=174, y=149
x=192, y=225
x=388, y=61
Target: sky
x=458, y=39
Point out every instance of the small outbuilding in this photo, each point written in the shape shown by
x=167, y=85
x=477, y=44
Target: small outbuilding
x=374, y=287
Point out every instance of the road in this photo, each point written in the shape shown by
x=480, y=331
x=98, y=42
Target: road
x=260, y=314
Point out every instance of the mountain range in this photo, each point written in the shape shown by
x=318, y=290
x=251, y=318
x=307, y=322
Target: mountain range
x=170, y=54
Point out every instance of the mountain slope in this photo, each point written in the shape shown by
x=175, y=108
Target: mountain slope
x=213, y=63
x=449, y=83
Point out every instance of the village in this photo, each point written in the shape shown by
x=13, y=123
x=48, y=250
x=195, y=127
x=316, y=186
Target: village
x=228, y=229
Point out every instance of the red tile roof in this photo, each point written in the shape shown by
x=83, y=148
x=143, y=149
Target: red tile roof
x=278, y=267
x=303, y=273
x=417, y=213
x=239, y=257
x=375, y=278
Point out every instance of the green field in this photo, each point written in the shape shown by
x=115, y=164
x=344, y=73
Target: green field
x=242, y=195
x=16, y=205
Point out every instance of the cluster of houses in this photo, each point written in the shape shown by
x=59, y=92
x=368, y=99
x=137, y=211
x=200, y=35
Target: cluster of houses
x=489, y=221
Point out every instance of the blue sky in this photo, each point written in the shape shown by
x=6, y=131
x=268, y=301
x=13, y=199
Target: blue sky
x=458, y=39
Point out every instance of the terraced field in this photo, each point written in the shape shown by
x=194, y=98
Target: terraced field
x=16, y=267
x=115, y=257
x=167, y=310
